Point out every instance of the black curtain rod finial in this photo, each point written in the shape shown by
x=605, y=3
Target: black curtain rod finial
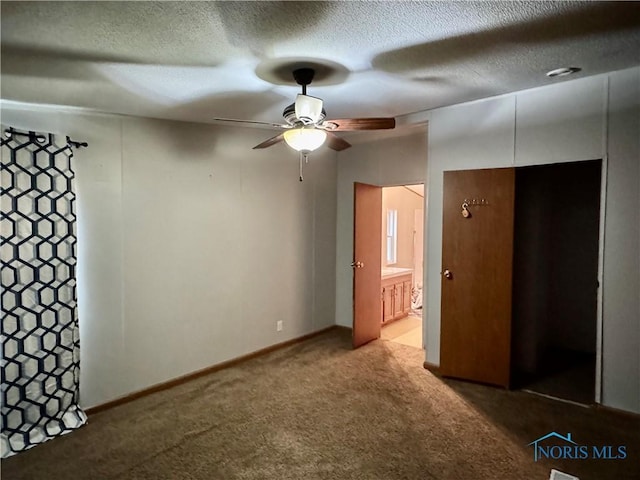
x=76, y=144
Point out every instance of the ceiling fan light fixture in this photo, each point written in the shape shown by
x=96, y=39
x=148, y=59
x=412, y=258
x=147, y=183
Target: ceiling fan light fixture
x=305, y=139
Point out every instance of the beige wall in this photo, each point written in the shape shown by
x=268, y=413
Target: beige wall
x=406, y=202
x=191, y=245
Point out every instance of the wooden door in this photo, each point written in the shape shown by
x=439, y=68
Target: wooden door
x=367, y=242
x=477, y=258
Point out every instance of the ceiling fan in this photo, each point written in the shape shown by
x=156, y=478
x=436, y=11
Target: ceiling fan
x=306, y=128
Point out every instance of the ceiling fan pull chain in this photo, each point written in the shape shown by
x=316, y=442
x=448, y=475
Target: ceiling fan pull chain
x=302, y=156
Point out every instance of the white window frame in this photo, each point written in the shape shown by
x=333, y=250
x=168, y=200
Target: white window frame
x=392, y=236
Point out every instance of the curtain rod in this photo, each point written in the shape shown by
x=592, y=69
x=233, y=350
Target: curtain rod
x=39, y=137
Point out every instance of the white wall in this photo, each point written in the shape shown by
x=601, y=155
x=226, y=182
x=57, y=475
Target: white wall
x=621, y=278
x=390, y=162
x=583, y=119
x=191, y=245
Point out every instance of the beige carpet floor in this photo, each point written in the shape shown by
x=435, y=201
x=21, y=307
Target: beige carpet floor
x=319, y=410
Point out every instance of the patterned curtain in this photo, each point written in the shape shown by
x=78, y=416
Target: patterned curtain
x=40, y=339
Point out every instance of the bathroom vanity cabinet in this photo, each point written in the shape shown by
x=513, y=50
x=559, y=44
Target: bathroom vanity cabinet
x=396, y=293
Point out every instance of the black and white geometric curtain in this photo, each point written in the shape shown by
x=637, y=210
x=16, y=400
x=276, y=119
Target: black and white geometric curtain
x=40, y=338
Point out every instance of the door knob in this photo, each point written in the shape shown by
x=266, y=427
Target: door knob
x=357, y=264
x=447, y=274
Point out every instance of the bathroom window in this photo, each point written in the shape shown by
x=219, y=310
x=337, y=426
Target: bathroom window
x=392, y=236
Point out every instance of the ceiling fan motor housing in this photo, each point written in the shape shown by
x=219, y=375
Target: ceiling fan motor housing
x=289, y=115
x=303, y=77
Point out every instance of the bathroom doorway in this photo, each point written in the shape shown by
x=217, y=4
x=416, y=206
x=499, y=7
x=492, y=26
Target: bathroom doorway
x=402, y=260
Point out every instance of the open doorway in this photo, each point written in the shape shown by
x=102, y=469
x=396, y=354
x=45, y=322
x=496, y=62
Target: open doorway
x=402, y=264
x=555, y=287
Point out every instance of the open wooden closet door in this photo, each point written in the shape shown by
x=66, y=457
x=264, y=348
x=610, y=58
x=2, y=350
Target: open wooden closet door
x=477, y=259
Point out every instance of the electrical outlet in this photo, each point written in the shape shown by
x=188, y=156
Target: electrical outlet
x=279, y=325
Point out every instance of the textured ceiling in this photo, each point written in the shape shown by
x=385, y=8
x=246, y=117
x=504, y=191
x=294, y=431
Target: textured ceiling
x=199, y=60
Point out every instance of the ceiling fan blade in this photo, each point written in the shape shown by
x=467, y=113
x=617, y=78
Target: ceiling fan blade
x=252, y=122
x=350, y=124
x=336, y=143
x=308, y=109
x=271, y=141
